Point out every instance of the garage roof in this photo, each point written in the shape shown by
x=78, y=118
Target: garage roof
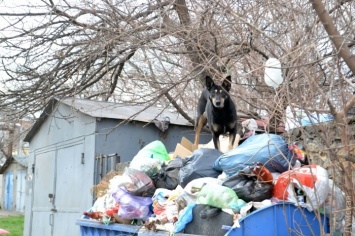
x=99, y=109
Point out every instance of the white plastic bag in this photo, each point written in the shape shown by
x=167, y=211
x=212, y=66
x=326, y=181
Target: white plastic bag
x=150, y=158
x=103, y=203
x=334, y=206
x=312, y=180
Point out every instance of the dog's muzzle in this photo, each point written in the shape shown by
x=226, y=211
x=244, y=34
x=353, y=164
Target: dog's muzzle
x=218, y=104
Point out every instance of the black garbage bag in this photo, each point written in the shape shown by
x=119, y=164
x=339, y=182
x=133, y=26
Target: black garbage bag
x=168, y=176
x=208, y=221
x=199, y=164
x=248, y=187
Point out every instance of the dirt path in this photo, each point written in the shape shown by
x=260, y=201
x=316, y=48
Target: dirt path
x=10, y=213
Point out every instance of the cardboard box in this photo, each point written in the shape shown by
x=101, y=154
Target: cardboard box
x=187, y=144
x=184, y=148
x=224, y=142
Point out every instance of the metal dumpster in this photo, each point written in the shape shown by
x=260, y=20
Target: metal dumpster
x=276, y=220
x=95, y=228
x=282, y=219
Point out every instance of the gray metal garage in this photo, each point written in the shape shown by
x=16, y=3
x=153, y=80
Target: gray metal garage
x=77, y=141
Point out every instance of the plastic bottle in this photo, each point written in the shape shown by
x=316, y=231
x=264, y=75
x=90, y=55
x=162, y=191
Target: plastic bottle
x=300, y=195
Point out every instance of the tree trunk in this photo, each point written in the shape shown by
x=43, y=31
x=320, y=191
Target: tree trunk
x=340, y=117
x=334, y=35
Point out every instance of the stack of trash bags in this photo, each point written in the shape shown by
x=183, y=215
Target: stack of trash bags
x=176, y=195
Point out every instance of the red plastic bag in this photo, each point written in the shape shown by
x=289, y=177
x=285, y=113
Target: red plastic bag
x=307, y=186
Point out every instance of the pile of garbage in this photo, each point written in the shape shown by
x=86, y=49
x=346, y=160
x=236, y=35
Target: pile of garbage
x=166, y=194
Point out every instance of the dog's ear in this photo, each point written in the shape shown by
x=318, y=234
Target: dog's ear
x=227, y=83
x=209, y=82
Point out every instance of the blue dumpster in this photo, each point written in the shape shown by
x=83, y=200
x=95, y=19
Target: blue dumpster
x=282, y=219
x=276, y=220
x=95, y=228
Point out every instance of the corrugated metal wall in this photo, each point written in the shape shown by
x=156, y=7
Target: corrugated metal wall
x=103, y=165
x=126, y=140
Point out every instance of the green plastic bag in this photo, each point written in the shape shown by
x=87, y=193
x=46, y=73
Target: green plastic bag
x=157, y=150
x=150, y=158
x=219, y=196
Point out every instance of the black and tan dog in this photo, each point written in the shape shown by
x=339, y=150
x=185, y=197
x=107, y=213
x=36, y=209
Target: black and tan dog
x=216, y=107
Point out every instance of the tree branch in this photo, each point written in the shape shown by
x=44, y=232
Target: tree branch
x=334, y=35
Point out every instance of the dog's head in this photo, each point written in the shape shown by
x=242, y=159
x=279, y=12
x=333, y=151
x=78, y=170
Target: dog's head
x=218, y=93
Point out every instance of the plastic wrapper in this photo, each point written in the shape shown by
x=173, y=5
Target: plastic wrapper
x=132, y=207
x=117, y=181
x=269, y=149
x=199, y=165
x=139, y=183
x=251, y=125
x=307, y=186
x=262, y=173
x=166, y=211
x=161, y=194
x=103, y=203
x=219, y=196
x=165, y=206
x=150, y=158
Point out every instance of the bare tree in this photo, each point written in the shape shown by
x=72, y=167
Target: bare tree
x=157, y=52
x=340, y=43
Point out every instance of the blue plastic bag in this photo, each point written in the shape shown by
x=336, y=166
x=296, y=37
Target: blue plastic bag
x=186, y=217
x=269, y=149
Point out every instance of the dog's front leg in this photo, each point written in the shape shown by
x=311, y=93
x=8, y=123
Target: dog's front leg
x=216, y=132
x=232, y=137
x=201, y=121
x=216, y=142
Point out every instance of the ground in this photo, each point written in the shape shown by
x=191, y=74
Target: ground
x=4, y=213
